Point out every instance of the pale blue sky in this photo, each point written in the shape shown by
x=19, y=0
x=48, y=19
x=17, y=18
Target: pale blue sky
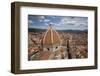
x=58, y=22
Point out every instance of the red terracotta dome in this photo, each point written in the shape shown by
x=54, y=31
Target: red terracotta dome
x=51, y=37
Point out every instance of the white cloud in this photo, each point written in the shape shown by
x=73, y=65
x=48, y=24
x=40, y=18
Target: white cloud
x=41, y=20
x=67, y=21
x=30, y=22
x=52, y=23
x=46, y=20
x=71, y=23
x=46, y=24
x=41, y=17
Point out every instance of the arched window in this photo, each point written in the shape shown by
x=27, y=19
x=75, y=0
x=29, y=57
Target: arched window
x=56, y=47
x=48, y=48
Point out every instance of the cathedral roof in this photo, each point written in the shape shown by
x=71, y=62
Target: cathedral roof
x=50, y=37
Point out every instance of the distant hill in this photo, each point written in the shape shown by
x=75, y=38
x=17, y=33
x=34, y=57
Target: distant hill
x=76, y=31
x=43, y=30
x=36, y=30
